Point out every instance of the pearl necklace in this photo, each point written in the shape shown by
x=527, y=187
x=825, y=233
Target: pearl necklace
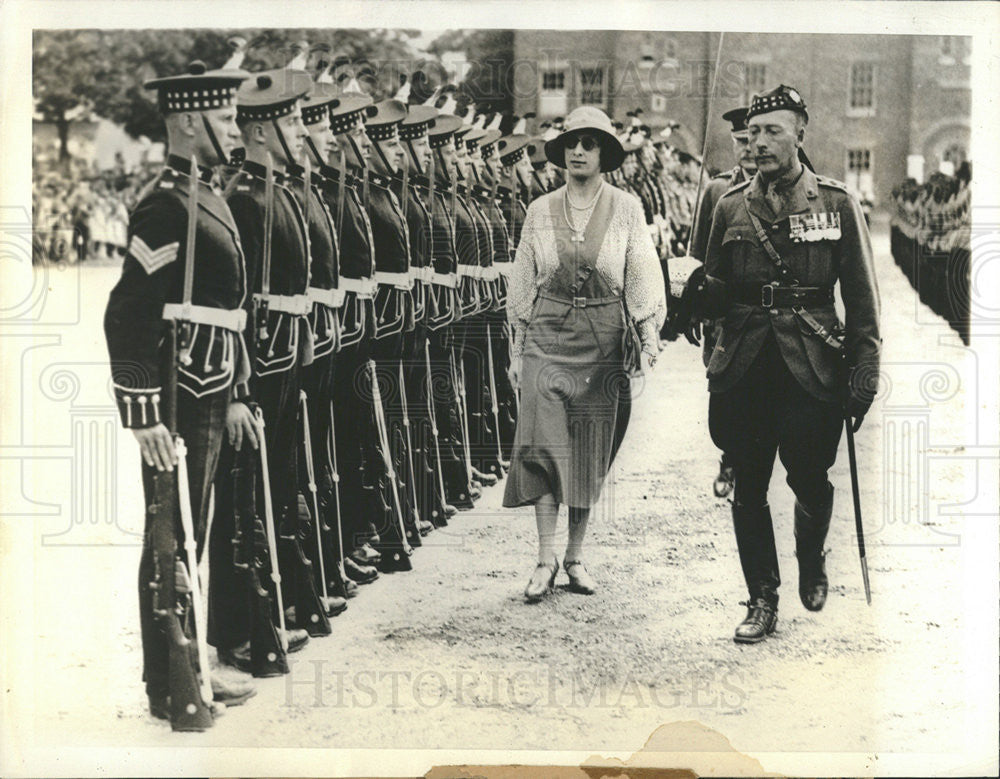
x=577, y=236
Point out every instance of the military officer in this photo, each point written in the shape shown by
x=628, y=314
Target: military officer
x=280, y=341
x=200, y=119
x=780, y=380
x=744, y=169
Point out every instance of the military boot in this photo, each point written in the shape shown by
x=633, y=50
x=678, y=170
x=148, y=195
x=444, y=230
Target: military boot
x=759, y=560
x=811, y=526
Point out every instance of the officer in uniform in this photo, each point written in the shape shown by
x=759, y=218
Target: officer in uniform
x=200, y=120
x=280, y=342
x=780, y=380
x=744, y=169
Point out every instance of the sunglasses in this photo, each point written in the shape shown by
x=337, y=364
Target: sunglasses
x=589, y=142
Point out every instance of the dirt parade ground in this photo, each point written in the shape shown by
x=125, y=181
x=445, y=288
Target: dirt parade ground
x=450, y=656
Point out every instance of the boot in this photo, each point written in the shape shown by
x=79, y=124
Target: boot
x=811, y=527
x=759, y=560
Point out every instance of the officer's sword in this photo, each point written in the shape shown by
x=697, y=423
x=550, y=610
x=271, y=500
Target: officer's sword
x=704, y=144
x=852, y=456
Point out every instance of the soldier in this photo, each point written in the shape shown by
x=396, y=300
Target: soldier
x=353, y=411
x=744, y=170
x=279, y=337
x=324, y=320
x=780, y=380
x=153, y=289
x=393, y=314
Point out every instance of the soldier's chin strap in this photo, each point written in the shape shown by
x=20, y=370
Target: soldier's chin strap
x=314, y=150
x=223, y=157
x=281, y=140
x=413, y=156
x=381, y=156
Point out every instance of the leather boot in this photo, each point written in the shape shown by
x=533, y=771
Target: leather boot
x=811, y=527
x=759, y=560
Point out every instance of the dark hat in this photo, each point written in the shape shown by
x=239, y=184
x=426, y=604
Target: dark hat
x=419, y=119
x=444, y=128
x=198, y=89
x=738, y=118
x=349, y=111
x=512, y=148
x=316, y=104
x=536, y=150
x=487, y=144
x=271, y=94
x=383, y=123
x=472, y=137
x=593, y=120
x=781, y=98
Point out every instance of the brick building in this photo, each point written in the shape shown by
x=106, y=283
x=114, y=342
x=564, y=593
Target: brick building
x=881, y=106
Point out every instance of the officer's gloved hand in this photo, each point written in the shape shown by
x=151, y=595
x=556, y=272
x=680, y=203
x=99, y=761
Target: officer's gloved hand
x=856, y=408
x=693, y=332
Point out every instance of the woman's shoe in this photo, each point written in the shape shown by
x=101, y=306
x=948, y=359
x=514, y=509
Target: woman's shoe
x=542, y=580
x=579, y=580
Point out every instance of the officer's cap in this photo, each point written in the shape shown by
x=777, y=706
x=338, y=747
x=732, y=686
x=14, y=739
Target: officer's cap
x=271, y=94
x=737, y=117
x=781, y=98
x=197, y=90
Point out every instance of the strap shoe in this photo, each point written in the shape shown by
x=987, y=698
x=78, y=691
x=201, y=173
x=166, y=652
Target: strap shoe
x=760, y=622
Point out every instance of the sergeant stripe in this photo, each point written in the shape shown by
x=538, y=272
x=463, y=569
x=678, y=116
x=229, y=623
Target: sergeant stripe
x=150, y=259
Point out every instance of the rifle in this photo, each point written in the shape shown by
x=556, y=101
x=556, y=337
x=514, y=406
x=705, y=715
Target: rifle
x=265, y=279
x=432, y=415
x=250, y=556
x=311, y=473
x=493, y=393
x=332, y=459
x=272, y=538
x=189, y=698
x=409, y=446
x=852, y=456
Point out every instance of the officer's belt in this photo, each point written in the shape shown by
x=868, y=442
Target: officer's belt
x=228, y=319
x=581, y=302
x=397, y=280
x=332, y=298
x=360, y=287
x=778, y=296
x=297, y=305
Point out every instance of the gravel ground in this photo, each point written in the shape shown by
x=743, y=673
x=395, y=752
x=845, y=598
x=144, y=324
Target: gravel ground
x=449, y=656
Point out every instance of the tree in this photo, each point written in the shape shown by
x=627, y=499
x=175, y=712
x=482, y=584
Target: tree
x=490, y=54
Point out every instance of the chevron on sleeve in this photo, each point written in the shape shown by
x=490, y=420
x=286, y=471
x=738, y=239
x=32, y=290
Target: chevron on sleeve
x=150, y=259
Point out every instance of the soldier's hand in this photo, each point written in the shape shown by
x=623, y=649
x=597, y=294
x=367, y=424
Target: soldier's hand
x=240, y=423
x=157, y=447
x=514, y=373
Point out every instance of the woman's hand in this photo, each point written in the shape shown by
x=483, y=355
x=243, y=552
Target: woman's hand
x=649, y=358
x=157, y=447
x=514, y=373
x=240, y=423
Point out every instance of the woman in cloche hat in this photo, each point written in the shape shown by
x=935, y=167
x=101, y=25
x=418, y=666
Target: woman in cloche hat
x=584, y=251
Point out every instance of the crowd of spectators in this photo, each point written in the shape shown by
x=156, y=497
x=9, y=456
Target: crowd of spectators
x=81, y=214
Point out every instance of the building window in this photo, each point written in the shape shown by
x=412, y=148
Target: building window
x=552, y=95
x=553, y=80
x=658, y=104
x=954, y=48
x=592, y=86
x=861, y=89
x=859, y=173
x=754, y=80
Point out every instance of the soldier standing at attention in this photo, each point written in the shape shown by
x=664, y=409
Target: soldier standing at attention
x=200, y=120
x=744, y=170
x=780, y=379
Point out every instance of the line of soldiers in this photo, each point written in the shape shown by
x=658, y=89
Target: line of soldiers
x=312, y=352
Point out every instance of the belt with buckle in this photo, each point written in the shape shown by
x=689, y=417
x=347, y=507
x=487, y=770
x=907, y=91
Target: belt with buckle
x=778, y=296
x=578, y=302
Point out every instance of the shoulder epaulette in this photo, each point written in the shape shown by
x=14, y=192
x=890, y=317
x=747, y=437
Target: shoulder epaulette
x=826, y=181
x=736, y=188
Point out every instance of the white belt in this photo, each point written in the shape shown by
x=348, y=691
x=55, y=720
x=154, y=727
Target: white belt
x=504, y=268
x=422, y=274
x=360, y=287
x=332, y=298
x=397, y=280
x=490, y=273
x=298, y=305
x=444, y=279
x=470, y=271
x=228, y=319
